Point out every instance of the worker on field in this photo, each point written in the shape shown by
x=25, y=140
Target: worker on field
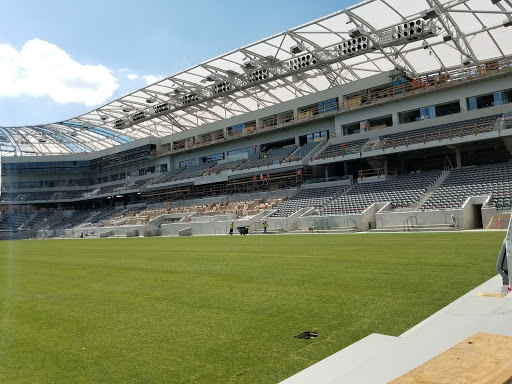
x=265, y=225
x=246, y=230
x=231, y=226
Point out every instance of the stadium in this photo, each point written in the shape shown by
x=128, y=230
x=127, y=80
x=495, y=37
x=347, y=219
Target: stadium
x=388, y=116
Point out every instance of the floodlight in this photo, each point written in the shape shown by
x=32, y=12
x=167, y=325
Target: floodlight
x=296, y=49
x=447, y=38
x=507, y=23
x=248, y=65
x=127, y=109
x=495, y=1
x=466, y=62
x=356, y=32
x=429, y=14
x=150, y=100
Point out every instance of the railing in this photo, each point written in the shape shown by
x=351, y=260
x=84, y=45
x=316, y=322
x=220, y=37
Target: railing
x=362, y=173
x=422, y=84
x=429, y=82
x=278, y=225
x=454, y=220
x=349, y=220
x=413, y=138
x=409, y=223
x=320, y=224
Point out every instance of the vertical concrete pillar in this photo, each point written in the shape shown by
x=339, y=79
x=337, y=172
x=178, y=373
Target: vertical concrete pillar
x=345, y=168
x=458, y=157
x=463, y=105
x=394, y=118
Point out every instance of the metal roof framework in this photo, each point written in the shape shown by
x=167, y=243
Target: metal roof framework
x=301, y=61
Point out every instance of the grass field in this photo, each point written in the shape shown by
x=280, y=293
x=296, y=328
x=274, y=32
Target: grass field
x=218, y=309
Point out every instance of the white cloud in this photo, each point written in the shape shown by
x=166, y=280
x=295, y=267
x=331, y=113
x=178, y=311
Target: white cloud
x=132, y=76
x=41, y=68
x=150, y=79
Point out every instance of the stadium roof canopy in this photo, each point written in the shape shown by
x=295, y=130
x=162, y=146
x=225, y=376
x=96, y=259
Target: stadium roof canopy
x=416, y=36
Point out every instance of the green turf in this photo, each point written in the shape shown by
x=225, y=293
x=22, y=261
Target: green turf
x=218, y=309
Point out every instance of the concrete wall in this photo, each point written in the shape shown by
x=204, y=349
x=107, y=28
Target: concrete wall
x=212, y=227
x=435, y=217
x=288, y=224
x=345, y=221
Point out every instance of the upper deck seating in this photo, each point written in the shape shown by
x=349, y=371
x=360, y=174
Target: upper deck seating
x=439, y=132
x=194, y=170
x=218, y=168
x=270, y=157
x=342, y=149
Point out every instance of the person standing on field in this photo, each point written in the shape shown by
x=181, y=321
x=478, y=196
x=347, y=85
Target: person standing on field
x=231, y=226
x=265, y=225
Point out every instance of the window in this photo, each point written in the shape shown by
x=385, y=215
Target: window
x=409, y=116
x=447, y=109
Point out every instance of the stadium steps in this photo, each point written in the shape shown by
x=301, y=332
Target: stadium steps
x=416, y=228
x=431, y=190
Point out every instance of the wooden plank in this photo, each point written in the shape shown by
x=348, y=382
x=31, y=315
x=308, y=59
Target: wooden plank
x=480, y=359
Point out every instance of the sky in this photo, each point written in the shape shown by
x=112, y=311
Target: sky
x=59, y=59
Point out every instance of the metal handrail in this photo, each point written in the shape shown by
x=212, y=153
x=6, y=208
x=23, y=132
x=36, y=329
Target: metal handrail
x=406, y=224
x=454, y=219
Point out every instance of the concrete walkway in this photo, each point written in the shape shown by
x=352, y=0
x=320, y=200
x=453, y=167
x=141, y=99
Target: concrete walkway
x=379, y=359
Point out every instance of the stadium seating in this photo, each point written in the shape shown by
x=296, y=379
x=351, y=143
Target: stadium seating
x=195, y=170
x=343, y=149
x=230, y=165
x=439, y=132
x=402, y=192
x=270, y=157
x=316, y=197
x=12, y=221
x=495, y=179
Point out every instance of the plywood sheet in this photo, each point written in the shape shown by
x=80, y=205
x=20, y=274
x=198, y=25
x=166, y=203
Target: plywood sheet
x=480, y=359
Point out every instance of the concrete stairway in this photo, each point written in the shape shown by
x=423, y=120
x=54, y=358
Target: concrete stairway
x=431, y=190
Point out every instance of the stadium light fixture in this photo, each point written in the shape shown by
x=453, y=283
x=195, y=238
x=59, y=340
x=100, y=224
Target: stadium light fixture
x=429, y=14
x=447, y=38
x=495, y=1
x=356, y=32
x=507, y=23
x=297, y=49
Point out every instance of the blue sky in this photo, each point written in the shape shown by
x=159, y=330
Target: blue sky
x=59, y=59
